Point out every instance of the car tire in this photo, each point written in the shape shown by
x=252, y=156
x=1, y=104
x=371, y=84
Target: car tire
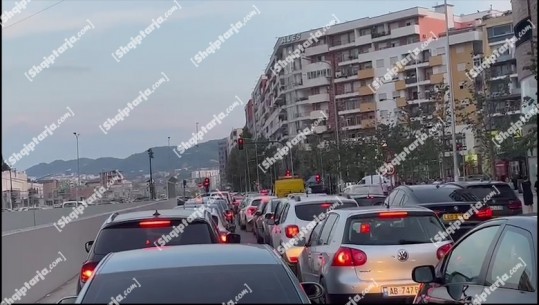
x=327, y=298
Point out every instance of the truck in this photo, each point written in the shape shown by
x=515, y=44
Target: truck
x=288, y=185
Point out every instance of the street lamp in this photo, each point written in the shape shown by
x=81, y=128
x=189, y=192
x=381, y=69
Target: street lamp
x=78, y=168
x=150, y=155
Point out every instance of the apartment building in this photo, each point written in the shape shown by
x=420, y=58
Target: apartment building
x=223, y=160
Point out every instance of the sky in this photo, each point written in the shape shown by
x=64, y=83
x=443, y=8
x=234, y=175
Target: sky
x=86, y=85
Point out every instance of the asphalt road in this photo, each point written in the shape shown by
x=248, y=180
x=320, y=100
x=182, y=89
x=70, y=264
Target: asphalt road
x=70, y=288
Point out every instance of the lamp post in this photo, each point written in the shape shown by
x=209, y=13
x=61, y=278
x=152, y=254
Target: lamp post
x=168, y=165
x=150, y=155
x=78, y=168
x=11, y=189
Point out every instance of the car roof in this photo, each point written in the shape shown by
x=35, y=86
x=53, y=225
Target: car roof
x=346, y=212
x=428, y=186
x=313, y=198
x=149, y=214
x=527, y=221
x=189, y=256
x=470, y=183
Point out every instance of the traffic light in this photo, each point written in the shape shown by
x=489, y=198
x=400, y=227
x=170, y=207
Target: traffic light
x=184, y=183
x=207, y=184
x=240, y=143
x=288, y=173
x=318, y=179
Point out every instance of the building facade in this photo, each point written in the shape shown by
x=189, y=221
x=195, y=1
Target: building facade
x=223, y=160
x=232, y=139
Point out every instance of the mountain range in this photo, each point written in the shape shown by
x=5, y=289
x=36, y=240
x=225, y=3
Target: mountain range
x=206, y=155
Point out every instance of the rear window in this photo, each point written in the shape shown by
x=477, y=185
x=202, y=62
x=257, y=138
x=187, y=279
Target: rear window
x=239, y=284
x=368, y=201
x=308, y=211
x=444, y=194
x=132, y=236
x=411, y=229
x=482, y=191
x=364, y=189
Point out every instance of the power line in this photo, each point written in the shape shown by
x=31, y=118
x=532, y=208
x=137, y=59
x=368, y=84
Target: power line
x=36, y=13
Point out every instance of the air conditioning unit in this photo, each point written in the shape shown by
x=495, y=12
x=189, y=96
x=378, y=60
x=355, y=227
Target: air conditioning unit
x=338, y=74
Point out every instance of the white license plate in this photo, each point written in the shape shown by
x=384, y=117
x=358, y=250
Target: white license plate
x=396, y=291
x=496, y=207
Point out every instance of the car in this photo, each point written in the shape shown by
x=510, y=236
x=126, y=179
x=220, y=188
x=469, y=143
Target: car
x=144, y=229
x=180, y=200
x=263, y=213
x=496, y=262
x=220, y=223
x=352, y=248
x=504, y=204
x=71, y=204
x=247, y=211
x=368, y=200
x=236, y=202
x=448, y=201
x=269, y=214
x=364, y=189
x=250, y=273
x=289, y=232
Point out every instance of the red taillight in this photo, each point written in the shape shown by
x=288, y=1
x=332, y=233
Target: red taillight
x=292, y=231
x=392, y=214
x=443, y=250
x=325, y=205
x=484, y=213
x=347, y=257
x=251, y=210
x=87, y=271
x=229, y=214
x=223, y=238
x=515, y=205
x=365, y=228
x=155, y=223
x=293, y=259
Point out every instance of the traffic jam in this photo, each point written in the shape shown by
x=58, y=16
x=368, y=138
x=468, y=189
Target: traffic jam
x=450, y=243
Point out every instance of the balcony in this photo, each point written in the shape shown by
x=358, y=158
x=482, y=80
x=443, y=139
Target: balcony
x=320, y=129
x=352, y=127
x=318, y=98
x=400, y=85
x=367, y=107
x=365, y=39
x=412, y=29
x=380, y=34
x=365, y=73
x=319, y=49
x=365, y=90
x=401, y=102
x=436, y=60
x=368, y=123
x=410, y=80
x=437, y=78
x=317, y=114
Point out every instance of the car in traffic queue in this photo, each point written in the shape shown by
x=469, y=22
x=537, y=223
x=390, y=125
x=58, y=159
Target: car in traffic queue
x=371, y=250
x=248, y=209
x=495, y=263
x=220, y=223
x=144, y=229
x=506, y=203
x=290, y=223
x=236, y=202
x=265, y=211
x=366, y=195
x=449, y=202
x=268, y=215
x=248, y=274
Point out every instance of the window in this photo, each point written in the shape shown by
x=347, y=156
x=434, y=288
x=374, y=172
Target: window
x=330, y=222
x=380, y=63
x=466, y=260
x=461, y=67
x=348, y=88
x=315, y=234
x=396, y=94
x=382, y=96
x=393, y=60
x=306, y=211
x=443, y=194
x=513, y=261
x=397, y=199
x=315, y=90
x=282, y=211
x=501, y=30
x=317, y=106
x=440, y=51
x=460, y=49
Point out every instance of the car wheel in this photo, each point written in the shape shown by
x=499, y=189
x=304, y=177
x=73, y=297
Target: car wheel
x=327, y=298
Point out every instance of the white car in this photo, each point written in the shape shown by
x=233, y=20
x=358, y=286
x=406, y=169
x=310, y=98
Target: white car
x=248, y=208
x=71, y=204
x=291, y=220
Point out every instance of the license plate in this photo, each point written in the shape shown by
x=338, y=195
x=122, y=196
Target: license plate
x=451, y=217
x=396, y=291
x=496, y=207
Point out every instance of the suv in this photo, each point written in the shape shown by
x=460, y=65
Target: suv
x=248, y=209
x=294, y=215
x=506, y=203
x=144, y=229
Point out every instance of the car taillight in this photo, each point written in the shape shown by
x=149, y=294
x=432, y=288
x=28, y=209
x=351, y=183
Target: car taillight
x=347, y=257
x=443, y=250
x=484, y=213
x=365, y=228
x=155, y=223
x=251, y=210
x=223, y=238
x=515, y=205
x=392, y=214
x=293, y=259
x=325, y=205
x=87, y=271
x=292, y=231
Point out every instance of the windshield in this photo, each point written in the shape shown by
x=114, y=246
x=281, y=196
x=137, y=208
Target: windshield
x=308, y=211
x=256, y=284
x=443, y=194
x=373, y=230
x=132, y=236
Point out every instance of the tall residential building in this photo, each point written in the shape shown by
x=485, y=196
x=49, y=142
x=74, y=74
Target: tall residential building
x=223, y=160
x=524, y=16
x=233, y=138
x=250, y=117
x=335, y=74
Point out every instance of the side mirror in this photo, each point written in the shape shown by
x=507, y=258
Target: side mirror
x=67, y=300
x=269, y=216
x=314, y=291
x=233, y=238
x=88, y=246
x=423, y=274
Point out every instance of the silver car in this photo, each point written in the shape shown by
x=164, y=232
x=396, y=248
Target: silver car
x=371, y=251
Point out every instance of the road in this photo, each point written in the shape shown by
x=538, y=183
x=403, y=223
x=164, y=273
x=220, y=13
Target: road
x=70, y=287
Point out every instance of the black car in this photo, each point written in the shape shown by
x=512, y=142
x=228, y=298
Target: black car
x=496, y=262
x=146, y=229
x=448, y=201
x=506, y=203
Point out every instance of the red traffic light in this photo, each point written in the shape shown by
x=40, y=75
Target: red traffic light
x=288, y=173
x=240, y=143
x=318, y=179
x=206, y=181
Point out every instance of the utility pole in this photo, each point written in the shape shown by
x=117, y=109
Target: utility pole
x=150, y=155
x=451, y=96
x=78, y=168
x=11, y=189
x=197, y=134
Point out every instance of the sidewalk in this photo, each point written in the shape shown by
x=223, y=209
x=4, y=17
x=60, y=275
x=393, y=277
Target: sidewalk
x=521, y=197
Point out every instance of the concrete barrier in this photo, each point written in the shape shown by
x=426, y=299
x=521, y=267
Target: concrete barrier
x=28, y=251
x=25, y=219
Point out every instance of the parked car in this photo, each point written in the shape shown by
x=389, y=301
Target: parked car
x=353, y=248
x=499, y=257
x=504, y=204
x=71, y=204
x=448, y=201
x=143, y=229
x=178, y=274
